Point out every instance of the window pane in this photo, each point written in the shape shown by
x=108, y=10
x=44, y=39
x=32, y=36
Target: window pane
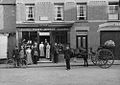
x=30, y=12
x=81, y=12
x=113, y=12
x=58, y=11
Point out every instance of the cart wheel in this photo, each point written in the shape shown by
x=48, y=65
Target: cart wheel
x=10, y=63
x=105, y=58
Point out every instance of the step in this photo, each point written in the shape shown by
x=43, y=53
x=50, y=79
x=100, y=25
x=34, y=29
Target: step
x=44, y=60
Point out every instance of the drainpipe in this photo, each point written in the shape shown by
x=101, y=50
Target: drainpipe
x=119, y=11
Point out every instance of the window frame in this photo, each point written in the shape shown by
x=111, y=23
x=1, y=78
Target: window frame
x=83, y=13
x=113, y=13
x=61, y=12
x=30, y=12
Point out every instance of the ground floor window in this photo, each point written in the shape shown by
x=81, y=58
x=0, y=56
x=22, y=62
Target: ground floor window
x=60, y=37
x=81, y=41
x=29, y=35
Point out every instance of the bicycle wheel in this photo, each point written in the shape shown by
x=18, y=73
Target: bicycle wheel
x=105, y=58
x=10, y=63
x=23, y=63
x=93, y=59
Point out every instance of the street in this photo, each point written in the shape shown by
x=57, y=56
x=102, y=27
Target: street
x=78, y=75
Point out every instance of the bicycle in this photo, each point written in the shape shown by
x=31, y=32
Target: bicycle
x=12, y=62
x=23, y=62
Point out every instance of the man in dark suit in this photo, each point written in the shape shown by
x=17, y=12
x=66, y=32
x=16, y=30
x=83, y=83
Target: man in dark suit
x=55, y=52
x=67, y=54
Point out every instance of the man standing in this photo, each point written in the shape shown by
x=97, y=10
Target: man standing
x=16, y=55
x=67, y=54
x=55, y=53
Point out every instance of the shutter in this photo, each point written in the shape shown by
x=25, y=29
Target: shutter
x=70, y=11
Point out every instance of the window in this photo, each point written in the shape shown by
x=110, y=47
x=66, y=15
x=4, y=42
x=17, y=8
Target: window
x=113, y=11
x=58, y=12
x=30, y=12
x=81, y=11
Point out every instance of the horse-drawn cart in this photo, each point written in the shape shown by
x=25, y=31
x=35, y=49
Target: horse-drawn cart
x=102, y=57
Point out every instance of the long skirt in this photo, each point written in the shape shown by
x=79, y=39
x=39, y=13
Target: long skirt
x=29, y=59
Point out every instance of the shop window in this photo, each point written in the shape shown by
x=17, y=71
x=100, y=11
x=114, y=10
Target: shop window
x=27, y=35
x=81, y=11
x=30, y=12
x=61, y=37
x=113, y=11
x=59, y=12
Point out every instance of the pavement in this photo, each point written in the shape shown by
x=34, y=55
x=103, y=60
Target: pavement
x=78, y=62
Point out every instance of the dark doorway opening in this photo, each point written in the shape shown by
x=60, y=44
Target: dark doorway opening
x=42, y=39
x=111, y=35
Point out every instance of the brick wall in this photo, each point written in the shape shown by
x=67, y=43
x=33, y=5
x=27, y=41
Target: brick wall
x=70, y=11
x=44, y=9
x=97, y=10
x=20, y=12
x=9, y=18
x=1, y=17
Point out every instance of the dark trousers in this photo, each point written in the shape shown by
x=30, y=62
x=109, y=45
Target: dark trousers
x=85, y=62
x=35, y=59
x=55, y=58
x=67, y=63
x=17, y=60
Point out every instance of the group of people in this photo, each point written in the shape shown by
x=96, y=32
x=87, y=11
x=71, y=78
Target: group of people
x=32, y=52
x=27, y=52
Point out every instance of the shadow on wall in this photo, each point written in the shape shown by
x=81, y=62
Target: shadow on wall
x=11, y=44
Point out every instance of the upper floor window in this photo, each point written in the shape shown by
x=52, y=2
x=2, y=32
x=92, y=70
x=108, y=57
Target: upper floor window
x=81, y=12
x=59, y=12
x=113, y=11
x=30, y=12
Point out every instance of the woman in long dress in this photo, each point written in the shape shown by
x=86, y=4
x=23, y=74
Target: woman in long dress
x=41, y=48
x=48, y=50
x=29, y=57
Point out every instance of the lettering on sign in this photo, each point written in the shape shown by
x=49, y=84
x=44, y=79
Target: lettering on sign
x=44, y=29
x=81, y=33
x=109, y=24
x=44, y=33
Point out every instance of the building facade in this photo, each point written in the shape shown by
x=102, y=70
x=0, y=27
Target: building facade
x=7, y=27
x=81, y=23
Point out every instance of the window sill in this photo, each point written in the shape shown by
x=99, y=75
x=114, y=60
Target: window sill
x=113, y=20
x=77, y=21
x=29, y=22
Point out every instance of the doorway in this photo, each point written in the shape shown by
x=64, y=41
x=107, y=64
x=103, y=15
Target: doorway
x=42, y=39
x=111, y=35
x=43, y=36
